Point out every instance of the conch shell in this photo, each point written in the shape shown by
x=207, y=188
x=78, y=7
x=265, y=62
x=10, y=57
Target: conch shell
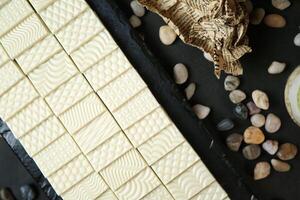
x=217, y=27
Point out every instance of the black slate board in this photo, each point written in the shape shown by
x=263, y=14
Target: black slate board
x=268, y=45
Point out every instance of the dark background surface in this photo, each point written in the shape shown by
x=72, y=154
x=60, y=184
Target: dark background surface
x=268, y=45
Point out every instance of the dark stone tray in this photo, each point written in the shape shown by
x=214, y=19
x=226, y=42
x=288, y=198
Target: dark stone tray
x=268, y=45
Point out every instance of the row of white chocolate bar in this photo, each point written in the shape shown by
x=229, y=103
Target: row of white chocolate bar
x=84, y=114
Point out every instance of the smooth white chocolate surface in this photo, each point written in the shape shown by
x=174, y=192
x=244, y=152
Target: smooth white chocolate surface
x=84, y=114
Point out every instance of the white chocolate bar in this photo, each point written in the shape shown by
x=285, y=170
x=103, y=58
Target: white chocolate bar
x=84, y=114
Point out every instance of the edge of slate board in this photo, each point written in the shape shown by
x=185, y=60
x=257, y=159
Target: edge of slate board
x=166, y=93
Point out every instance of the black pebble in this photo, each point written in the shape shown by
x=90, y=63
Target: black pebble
x=225, y=125
x=28, y=192
x=241, y=111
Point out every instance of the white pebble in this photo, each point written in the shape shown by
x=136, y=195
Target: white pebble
x=237, y=96
x=167, y=35
x=260, y=99
x=297, y=40
x=201, y=111
x=135, y=21
x=273, y=123
x=137, y=8
x=276, y=67
x=258, y=120
x=190, y=90
x=180, y=73
x=281, y=4
x=208, y=57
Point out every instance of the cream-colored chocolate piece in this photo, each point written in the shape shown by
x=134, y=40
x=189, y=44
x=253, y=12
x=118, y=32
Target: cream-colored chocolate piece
x=82, y=113
x=107, y=69
x=190, y=182
x=89, y=188
x=70, y=174
x=120, y=90
x=138, y=107
x=94, y=50
x=139, y=186
x=158, y=146
x=174, y=163
x=9, y=75
x=52, y=73
x=3, y=56
x=42, y=135
x=159, y=193
x=39, y=53
x=57, y=153
x=62, y=12
x=68, y=94
x=97, y=132
x=123, y=169
x=147, y=127
x=23, y=36
x=212, y=192
x=29, y=117
x=16, y=98
x=83, y=106
x=107, y=195
x=79, y=31
x=109, y=151
x=12, y=13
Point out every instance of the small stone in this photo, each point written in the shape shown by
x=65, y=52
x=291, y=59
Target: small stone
x=135, y=21
x=180, y=73
x=297, y=40
x=262, y=170
x=190, y=90
x=208, y=57
x=137, y=8
x=273, y=123
x=253, y=135
x=253, y=109
x=231, y=83
x=257, y=16
x=249, y=6
x=6, y=194
x=252, y=151
x=276, y=67
x=28, y=192
x=167, y=35
x=241, y=111
x=258, y=120
x=280, y=166
x=234, y=141
x=237, y=96
x=260, y=99
x=201, y=111
x=281, y=4
x=270, y=146
x=275, y=21
x=287, y=151
x=225, y=125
